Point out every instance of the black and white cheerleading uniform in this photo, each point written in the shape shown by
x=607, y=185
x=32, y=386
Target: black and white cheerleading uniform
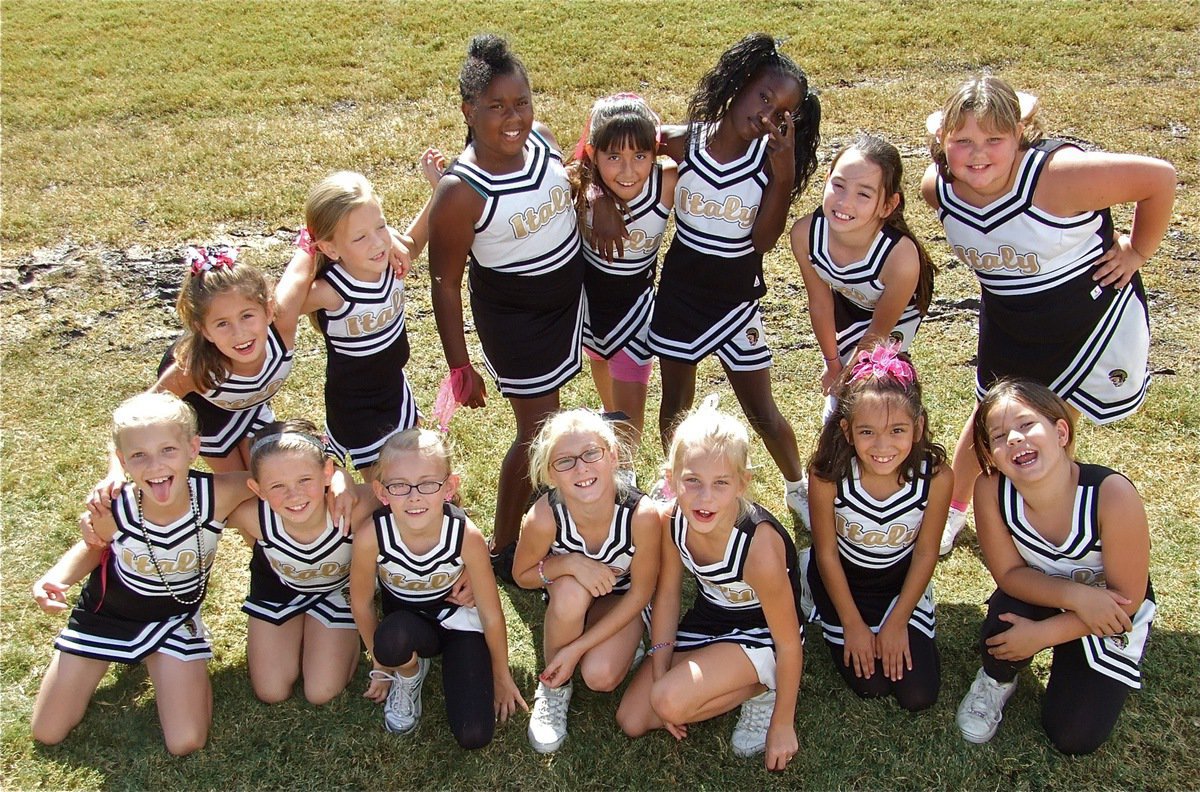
x=289, y=578
x=617, y=550
x=712, y=277
x=620, y=293
x=526, y=273
x=238, y=406
x=126, y=612
x=1079, y=559
x=1042, y=316
x=727, y=609
x=367, y=397
x=422, y=582
x=875, y=540
x=857, y=287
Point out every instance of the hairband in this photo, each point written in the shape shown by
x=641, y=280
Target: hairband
x=279, y=437
x=203, y=259
x=581, y=145
x=305, y=242
x=883, y=361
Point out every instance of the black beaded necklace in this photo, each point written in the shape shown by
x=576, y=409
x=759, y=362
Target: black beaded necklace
x=199, y=549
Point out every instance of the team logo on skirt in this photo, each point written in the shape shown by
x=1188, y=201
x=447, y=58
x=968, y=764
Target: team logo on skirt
x=1118, y=377
x=752, y=336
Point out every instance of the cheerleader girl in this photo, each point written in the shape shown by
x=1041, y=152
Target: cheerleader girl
x=1062, y=302
x=505, y=204
x=1069, y=548
x=879, y=491
x=358, y=302
x=867, y=276
x=615, y=157
x=233, y=355
x=748, y=150
x=741, y=643
x=593, y=546
x=142, y=599
x=300, y=621
x=416, y=548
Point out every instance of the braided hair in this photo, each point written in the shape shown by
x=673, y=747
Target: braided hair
x=736, y=67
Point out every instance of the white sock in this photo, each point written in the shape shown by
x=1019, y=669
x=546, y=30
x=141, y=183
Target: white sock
x=793, y=486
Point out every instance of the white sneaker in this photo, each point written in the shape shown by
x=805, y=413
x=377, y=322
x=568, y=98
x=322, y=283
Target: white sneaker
x=797, y=503
x=548, y=720
x=750, y=733
x=982, y=708
x=955, y=521
x=807, y=606
x=402, y=709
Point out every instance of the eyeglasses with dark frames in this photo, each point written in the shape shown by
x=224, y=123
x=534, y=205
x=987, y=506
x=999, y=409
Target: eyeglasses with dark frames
x=564, y=463
x=402, y=488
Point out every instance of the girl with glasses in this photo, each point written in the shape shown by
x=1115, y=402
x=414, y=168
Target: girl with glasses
x=592, y=544
x=417, y=547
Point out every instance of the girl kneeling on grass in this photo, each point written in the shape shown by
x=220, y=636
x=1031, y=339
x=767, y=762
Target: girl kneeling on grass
x=593, y=545
x=880, y=490
x=1069, y=548
x=741, y=643
x=416, y=547
x=300, y=621
x=142, y=599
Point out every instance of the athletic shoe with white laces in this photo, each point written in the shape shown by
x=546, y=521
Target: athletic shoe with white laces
x=797, y=503
x=956, y=520
x=750, y=733
x=982, y=708
x=402, y=709
x=548, y=720
x=807, y=606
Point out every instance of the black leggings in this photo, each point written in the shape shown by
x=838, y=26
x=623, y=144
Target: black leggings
x=1081, y=705
x=466, y=669
x=915, y=691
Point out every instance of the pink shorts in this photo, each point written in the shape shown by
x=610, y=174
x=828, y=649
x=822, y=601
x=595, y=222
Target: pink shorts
x=624, y=368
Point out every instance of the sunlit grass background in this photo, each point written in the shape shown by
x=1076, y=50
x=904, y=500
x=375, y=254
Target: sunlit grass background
x=132, y=129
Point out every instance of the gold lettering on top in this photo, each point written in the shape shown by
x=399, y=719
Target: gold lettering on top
x=369, y=322
x=529, y=221
x=184, y=562
x=731, y=210
x=328, y=569
x=1006, y=258
x=435, y=582
x=896, y=535
x=240, y=404
x=737, y=594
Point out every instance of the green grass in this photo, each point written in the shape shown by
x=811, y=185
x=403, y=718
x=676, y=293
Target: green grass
x=131, y=129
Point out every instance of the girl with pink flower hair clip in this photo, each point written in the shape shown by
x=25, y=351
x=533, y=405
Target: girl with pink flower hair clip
x=879, y=490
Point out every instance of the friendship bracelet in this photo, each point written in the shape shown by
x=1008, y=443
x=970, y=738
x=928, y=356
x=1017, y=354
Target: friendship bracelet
x=664, y=645
x=829, y=359
x=542, y=573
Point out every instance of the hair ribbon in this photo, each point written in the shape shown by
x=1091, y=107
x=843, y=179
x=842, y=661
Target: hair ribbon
x=203, y=259
x=305, y=242
x=883, y=361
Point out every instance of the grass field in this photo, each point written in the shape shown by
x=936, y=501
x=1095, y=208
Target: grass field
x=133, y=129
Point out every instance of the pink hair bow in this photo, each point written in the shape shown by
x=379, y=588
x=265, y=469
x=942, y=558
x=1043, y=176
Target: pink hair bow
x=452, y=394
x=305, y=242
x=203, y=259
x=883, y=361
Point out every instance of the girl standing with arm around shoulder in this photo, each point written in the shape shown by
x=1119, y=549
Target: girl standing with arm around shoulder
x=879, y=491
x=741, y=643
x=1069, y=548
x=748, y=149
x=1062, y=299
x=417, y=547
x=505, y=206
x=593, y=546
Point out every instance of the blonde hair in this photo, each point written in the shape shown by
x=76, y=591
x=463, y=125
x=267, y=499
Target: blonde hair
x=564, y=423
x=199, y=357
x=708, y=430
x=293, y=436
x=153, y=409
x=334, y=197
x=422, y=441
x=996, y=106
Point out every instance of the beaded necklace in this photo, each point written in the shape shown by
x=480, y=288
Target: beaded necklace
x=199, y=549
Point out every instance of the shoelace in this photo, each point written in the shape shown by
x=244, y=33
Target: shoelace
x=986, y=701
x=756, y=716
x=556, y=705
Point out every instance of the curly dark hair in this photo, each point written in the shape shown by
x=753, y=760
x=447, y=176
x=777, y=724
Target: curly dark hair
x=488, y=57
x=737, y=66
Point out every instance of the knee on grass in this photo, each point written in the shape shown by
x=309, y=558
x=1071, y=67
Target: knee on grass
x=182, y=742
